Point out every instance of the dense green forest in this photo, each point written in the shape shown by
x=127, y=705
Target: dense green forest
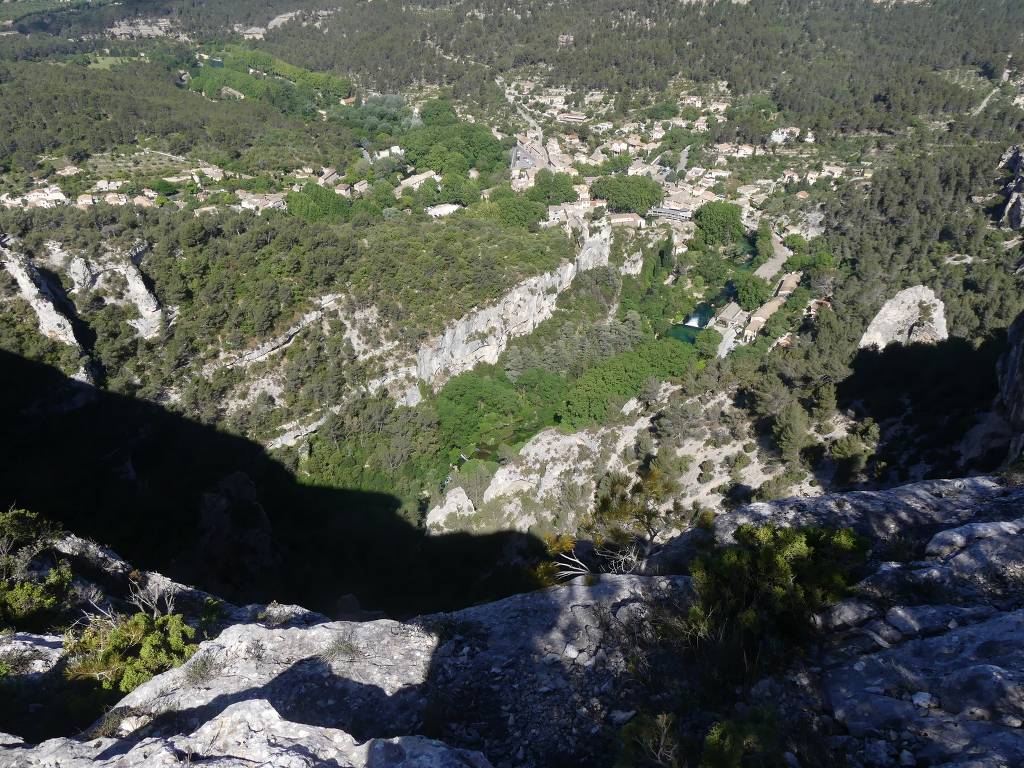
x=88, y=110
x=829, y=65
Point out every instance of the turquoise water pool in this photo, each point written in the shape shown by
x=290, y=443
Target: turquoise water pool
x=688, y=331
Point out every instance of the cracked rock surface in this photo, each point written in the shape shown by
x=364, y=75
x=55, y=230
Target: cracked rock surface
x=525, y=681
x=922, y=665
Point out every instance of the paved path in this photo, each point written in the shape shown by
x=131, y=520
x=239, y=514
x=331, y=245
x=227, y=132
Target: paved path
x=780, y=254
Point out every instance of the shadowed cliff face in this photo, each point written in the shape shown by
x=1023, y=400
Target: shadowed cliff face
x=1011, y=387
x=935, y=392
x=214, y=510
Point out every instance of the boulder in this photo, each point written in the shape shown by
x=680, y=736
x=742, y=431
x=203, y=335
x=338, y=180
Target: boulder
x=913, y=316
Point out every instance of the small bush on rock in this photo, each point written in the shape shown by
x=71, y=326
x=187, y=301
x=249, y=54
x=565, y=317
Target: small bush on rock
x=755, y=600
x=751, y=740
x=31, y=598
x=121, y=654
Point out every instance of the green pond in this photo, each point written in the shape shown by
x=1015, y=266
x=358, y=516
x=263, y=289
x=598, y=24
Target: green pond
x=687, y=332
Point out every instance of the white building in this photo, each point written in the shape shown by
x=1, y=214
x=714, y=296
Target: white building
x=416, y=181
x=47, y=197
x=633, y=220
x=442, y=210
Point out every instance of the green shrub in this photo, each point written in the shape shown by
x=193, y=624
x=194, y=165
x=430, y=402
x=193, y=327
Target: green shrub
x=202, y=669
x=122, y=653
x=751, y=290
x=618, y=378
x=210, y=616
x=28, y=604
x=628, y=512
x=28, y=600
x=755, y=599
x=552, y=188
x=719, y=223
x=750, y=741
x=628, y=193
x=778, y=487
x=649, y=740
x=315, y=203
x=707, y=342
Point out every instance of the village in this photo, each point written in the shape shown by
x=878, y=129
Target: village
x=562, y=134
x=685, y=187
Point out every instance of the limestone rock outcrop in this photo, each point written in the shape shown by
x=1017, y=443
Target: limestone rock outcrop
x=117, y=277
x=446, y=515
x=1013, y=210
x=913, y=316
x=482, y=335
x=245, y=734
x=53, y=323
x=530, y=680
x=923, y=664
x=549, y=483
x=27, y=654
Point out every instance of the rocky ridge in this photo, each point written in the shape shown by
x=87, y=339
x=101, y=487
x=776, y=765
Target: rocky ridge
x=549, y=483
x=482, y=335
x=53, y=324
x=104, y=274
x=921, y=666
x=113, y=275
x=526, y=680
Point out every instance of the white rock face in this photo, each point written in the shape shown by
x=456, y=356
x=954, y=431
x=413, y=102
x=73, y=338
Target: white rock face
x=118, y=276
x=445, y=516
x=52, y=322
x=552, y=457
x=914, y=315
x=633, y=264
x=550, y=482
x=482, y=335
x=150, y=314
x=246, y=734
x=354, y=694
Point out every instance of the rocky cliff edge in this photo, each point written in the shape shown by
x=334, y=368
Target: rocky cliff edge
x=922, y=666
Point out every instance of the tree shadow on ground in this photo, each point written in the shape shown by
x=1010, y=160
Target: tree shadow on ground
x=214, y=510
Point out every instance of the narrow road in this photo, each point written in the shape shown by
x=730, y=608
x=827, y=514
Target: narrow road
x=1004, y=79
x=780, y=254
